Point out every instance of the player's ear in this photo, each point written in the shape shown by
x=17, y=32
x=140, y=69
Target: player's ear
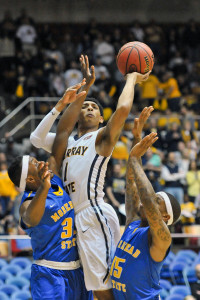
x=30, y=179
x=101, y=119
x=165, y=217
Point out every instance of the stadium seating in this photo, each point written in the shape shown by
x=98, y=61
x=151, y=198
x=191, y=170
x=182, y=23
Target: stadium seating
x=22, y=262
x=12, y=269
x=9, y=289
x=163, y=294
x=4, y=276
x=165, y=284
x=189, y=275
x=3, y=263
x=187, y=253
x=176, y=270
x=165, y=272
x=20, y=282
x=21, y=295
x=25, y=274
x=175, y=297
x=3, y=296
x=180, y=290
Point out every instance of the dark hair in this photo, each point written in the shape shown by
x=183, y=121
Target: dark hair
x=15, y=170
x=175, y=207
x=190, y=165
x=97, y=102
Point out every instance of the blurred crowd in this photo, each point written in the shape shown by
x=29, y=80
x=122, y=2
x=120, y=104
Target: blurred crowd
x=42, y=60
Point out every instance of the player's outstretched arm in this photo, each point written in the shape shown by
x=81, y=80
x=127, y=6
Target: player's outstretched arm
x=160, y=234
x=31, y=211
x=41, y=137
x=132, y=199
x=109, y=135
x=60, y=142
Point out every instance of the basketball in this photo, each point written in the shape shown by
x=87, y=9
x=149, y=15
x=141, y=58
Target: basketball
x=135, y=57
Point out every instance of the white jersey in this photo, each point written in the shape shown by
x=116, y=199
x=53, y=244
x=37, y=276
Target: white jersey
x=83, y=171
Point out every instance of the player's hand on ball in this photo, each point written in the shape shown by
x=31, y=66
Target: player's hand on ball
x=142, y=77
x=137, y=77
x=140, y=148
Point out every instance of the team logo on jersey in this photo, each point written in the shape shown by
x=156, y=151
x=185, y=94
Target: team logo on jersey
x=59, y=192
x=88, y=137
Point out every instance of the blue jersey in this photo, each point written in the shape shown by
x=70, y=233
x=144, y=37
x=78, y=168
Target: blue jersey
x=54, y=238
x=135, y=275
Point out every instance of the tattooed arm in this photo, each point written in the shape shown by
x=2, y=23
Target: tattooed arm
x=160, y=238
x=132, y=199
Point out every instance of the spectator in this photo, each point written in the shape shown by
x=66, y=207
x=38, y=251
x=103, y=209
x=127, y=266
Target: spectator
x=193, y=181
x=154, y=37
x=8, y=192
x=85, y=45
x=188, y=211
x=172, y=92
x=173, y=137
x=177, y=64
x=149, y=89
x=67, y=47
x=138, y=31
x=24, y=16
x=57, y=81
x=105, y=51
x=73, y=75
x=55, y=54
x=172, y=174
x=188, y=134
x=152, y=166
x=115, y=190
x=99, y=68
x=195, y=286
x=8, y=26
x=27, y=35
x=187, y=114
x=11, y=148
x=192, y=40
x=92, y=29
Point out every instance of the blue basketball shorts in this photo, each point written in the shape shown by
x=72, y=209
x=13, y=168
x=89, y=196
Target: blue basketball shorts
x=47, y=284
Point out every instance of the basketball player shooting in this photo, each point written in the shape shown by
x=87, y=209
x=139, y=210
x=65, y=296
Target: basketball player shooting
x=146, y=241
x=84, y=168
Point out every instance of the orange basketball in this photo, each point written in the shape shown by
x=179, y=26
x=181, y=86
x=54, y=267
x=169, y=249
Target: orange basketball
x=135, y=57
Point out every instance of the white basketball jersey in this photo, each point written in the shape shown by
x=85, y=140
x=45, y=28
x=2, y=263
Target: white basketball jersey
x=83, y=171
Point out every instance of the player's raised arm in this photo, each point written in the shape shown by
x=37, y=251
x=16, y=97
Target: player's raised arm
x=41, y=137
x=60, y=142
x=70, y=116
x=31, y=211
x=109, y=135
x=160, y=234
x=132, y=200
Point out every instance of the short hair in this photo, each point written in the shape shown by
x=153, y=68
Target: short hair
x=97, y=102
x=176, y=208
x=15, y=170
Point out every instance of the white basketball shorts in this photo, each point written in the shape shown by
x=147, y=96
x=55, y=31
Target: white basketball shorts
x=98, y=233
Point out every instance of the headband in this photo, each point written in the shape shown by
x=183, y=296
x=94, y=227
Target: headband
x=168, y=206
x=24, y=173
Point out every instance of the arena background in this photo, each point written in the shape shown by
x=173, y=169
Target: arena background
x=177, y=53
x=66, y=11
